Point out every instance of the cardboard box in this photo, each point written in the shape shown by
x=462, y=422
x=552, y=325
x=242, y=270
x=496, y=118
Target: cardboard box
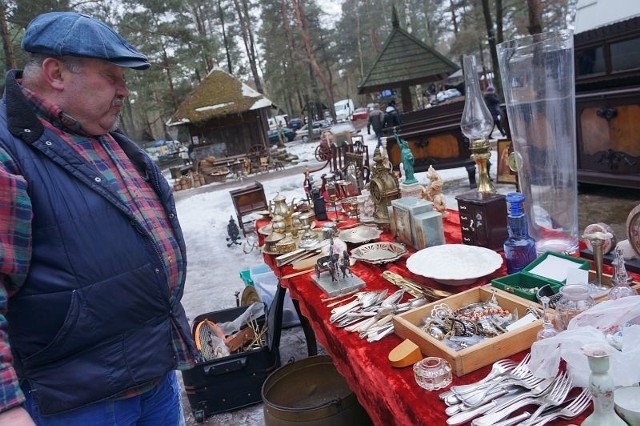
x=408, y=326
x=526, y=283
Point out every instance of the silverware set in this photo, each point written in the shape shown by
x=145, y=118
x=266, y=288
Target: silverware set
x=370, y=313
x=506, y=389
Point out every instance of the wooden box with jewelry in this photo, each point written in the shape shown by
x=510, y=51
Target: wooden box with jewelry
x=230, y=376
x=471, y=329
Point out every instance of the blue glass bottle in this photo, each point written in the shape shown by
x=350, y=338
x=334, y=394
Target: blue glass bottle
x=519, y=248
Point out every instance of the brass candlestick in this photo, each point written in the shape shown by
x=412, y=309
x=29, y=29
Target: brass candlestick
x=333, y=198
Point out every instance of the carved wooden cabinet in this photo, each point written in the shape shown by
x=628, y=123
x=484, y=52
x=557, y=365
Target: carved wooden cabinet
x=608, y=130
x=607, y=64
x=483, y=219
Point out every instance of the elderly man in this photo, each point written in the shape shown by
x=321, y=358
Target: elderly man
x=93, y=258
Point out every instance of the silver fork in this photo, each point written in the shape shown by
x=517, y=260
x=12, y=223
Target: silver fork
x=519, y=376
x=556, y=396
x=498, y=369
x=450, y=398
x=476, y=399
x=500, y=412
x=574, y=409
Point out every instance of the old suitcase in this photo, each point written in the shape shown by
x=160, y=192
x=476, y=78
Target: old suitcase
x=234, y=381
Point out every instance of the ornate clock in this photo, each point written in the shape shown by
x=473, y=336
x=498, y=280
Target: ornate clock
x=384, y=187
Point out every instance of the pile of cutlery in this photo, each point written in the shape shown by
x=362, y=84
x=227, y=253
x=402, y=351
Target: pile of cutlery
x=370, y=313
x=506, y=389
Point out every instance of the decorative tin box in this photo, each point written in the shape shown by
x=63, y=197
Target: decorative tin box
x=428, y=229
x=549, y=268
x=404, y=210
x=408, y=326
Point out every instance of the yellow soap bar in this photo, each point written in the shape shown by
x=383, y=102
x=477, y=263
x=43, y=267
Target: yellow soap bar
x=405, y=354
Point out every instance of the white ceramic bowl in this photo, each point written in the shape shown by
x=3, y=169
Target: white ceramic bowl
x=627, y=402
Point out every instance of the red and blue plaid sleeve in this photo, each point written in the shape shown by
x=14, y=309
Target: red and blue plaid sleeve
x=15, y=253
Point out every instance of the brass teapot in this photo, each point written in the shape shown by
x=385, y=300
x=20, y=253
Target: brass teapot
x=279, y=207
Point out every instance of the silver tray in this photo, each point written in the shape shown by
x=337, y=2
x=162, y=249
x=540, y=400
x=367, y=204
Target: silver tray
x=380, y=252
x=360, y=234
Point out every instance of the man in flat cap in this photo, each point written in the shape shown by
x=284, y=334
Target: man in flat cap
x=93, y=259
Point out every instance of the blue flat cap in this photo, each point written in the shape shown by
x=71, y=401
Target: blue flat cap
x=75, y=34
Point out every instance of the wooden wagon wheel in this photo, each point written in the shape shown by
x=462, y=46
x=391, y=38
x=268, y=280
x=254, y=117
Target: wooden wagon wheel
x=257, y=151
x=323, y=153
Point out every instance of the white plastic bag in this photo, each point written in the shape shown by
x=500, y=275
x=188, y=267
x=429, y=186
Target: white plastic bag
x=594, y=326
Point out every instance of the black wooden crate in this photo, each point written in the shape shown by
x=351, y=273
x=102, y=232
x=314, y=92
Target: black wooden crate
x=235, y=381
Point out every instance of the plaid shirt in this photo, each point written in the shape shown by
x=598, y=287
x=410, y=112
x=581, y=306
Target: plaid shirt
x=15, y=230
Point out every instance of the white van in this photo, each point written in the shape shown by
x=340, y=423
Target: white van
x=344, y=109
x=281, y=120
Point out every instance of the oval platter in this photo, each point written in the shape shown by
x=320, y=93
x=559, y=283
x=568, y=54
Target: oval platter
x=454, y=264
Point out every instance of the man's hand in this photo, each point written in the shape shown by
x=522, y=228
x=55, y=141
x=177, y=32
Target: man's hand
x=16, y=416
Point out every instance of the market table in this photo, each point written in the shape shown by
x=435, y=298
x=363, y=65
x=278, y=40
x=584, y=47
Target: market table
x=390, y=395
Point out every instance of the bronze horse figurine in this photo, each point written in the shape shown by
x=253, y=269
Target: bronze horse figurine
x=328, y=263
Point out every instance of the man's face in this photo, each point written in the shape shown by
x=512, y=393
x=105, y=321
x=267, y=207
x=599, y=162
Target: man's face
x=94, y=94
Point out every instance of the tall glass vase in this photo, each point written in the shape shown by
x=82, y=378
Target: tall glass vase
x=539, y=89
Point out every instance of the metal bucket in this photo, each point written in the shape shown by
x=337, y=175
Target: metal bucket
x=310, y=392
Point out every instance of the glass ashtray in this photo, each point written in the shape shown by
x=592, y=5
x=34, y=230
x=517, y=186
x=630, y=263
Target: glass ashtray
x=432, y=373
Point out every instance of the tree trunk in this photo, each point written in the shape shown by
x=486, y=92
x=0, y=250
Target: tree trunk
x=535, y=13
x=202, y=32
x=303, y=27
x=224, y=38
x=247, y=38
x=492, y=46
x=10, y=57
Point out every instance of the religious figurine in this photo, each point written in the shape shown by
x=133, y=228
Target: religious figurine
x=407, y=160
x=433, y=191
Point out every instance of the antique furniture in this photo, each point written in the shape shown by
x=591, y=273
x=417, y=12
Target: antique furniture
x=483, y=219
x=435, y=138
x=607, y=65
x=248, y=200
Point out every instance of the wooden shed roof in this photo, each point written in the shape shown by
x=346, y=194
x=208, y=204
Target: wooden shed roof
x=219, y=94
x=405, y=61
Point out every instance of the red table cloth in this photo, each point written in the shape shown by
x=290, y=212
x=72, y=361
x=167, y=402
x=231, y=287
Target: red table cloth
x=390, y=395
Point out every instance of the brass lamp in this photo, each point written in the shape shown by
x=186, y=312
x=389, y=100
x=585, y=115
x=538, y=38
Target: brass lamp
x=477, y=123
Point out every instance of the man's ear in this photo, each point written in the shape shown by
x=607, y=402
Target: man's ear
x=53, y=73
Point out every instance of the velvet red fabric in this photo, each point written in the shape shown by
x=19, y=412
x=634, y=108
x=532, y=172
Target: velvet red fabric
x=390, y=395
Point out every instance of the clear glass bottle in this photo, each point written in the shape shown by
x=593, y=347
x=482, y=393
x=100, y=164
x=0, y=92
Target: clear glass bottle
x=621, y=280
x=519, y=248
x=574, y=299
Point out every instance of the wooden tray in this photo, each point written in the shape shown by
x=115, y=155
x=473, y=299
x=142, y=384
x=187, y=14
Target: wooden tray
x=407, y=326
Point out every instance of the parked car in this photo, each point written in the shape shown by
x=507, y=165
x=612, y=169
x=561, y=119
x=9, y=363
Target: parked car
x=317, y=126
x=447, y=94
x=295, y=123
x=360, y=114
x=287, y=133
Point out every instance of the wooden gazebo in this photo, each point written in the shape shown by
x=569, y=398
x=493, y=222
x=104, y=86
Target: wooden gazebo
x=224, y=116
x=405, y=61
